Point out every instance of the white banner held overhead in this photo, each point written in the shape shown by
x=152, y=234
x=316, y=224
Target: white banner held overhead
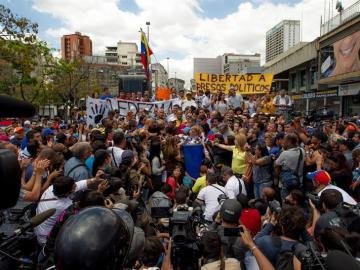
x=97, y=109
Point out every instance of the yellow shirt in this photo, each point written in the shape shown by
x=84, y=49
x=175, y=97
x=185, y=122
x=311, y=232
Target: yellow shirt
x=268, y=107
x=238, y=164
x=200, y=183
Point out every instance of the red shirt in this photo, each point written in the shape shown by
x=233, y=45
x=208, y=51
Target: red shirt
x=172, y=182
x=251, y=219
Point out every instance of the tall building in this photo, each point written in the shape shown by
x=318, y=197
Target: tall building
x=238, y=63
x=282, y=37
x=125, y=54
x=159, y=75
x=128, y=54
x=228, y=63
x=111, y=55
x=75, y=45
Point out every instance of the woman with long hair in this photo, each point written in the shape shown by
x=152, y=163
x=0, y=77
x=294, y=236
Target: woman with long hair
x=339, y=171
x=171, y=152
x=157, y=164
x=102, y=161
x=238, y=164
x=174, y=181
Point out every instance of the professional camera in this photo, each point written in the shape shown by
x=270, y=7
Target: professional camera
x=185, y=229
x=315, y=199
x=17, y=239
x=275, y=206
x=311, y=258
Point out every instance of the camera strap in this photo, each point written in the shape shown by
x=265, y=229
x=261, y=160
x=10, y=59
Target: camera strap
x=240, y=186
x=113, y=156
x=218, y=189
x=75, y=167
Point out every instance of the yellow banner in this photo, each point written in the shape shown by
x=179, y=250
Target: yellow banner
x=247, y=84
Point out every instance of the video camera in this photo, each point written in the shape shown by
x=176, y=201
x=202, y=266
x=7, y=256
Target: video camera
x=311, y=258
x=185, y=230
x=18, y=243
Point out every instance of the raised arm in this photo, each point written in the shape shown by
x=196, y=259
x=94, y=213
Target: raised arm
x=223, y=146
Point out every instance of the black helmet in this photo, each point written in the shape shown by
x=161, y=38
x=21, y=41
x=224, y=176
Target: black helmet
x=95, y=238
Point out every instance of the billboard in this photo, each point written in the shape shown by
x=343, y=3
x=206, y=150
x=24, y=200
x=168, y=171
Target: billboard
x=243, y=83
x=341, y=57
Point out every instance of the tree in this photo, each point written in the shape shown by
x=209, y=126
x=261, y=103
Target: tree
x=26, y=58
x=71, y=80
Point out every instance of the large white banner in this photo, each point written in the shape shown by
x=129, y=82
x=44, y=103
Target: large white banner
x=97, y=109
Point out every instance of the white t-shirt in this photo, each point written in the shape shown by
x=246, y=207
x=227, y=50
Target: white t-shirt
x=188, y=103
x=205, y=102
x=232, y=187
x=281, y=101
x=60, y=204
x=346, y=197
x=115, y=153
x=209, y=196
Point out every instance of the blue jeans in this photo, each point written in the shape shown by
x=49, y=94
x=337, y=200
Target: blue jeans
x=258, y=187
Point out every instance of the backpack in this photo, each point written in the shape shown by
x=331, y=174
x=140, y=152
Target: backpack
x=291, y=179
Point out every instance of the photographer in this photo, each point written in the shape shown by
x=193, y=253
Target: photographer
x=213, y=254
x=209, y=196
x=322, y=181
x=329, y=200
x=233, y=246
x=279, y=250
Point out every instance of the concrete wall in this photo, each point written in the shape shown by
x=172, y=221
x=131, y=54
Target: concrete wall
x=298, y=55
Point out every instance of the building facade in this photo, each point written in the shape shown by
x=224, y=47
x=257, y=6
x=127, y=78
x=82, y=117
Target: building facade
x=75, y=45
x=111, y=55
x=176, y=83
x=159, y=75
x=125, y=54
x=238, y=63
x=323, y=75
x=281, y=38
x=228, y=63
x=128, y=54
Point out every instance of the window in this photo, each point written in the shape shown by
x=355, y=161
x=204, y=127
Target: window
x=313, y=72
x=303, y=78
x=124, y=56
x=293, y=80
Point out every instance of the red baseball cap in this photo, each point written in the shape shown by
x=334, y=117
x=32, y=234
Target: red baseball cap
x=321, y=177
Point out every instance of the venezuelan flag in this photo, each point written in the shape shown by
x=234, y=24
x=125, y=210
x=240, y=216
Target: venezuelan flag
x=145, y=54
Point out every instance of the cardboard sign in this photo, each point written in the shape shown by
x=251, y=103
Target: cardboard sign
x=246, y=84
x=97, y=109
x=163, y=93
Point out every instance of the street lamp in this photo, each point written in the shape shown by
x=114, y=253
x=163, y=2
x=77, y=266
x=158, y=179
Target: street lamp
x=148, y=31
x=167, y=60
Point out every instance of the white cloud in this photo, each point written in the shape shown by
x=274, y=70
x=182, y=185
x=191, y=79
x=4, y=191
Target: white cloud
x=180, y=27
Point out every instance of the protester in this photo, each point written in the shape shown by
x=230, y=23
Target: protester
x=221, y=201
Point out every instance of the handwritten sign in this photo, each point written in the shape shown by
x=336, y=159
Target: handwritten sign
x=97, y=109
x=246, y=84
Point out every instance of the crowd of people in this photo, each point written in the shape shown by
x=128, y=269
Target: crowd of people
x=270, y=187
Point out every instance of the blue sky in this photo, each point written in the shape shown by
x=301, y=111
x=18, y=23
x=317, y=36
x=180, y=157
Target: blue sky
x=180, y=29
x=211, y=9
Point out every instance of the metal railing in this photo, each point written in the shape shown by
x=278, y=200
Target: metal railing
x=344, y=16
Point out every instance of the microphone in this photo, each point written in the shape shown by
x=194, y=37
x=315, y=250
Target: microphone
x=35, y=221
x=11, y=107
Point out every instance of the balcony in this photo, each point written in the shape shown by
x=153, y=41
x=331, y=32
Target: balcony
x=344, y=16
